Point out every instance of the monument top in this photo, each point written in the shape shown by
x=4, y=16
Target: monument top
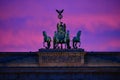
x=61, y=36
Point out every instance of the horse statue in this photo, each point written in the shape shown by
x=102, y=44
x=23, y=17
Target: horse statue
x=76, y=40
x=47, y=40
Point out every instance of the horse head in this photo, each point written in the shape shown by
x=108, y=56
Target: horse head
x=44, y=33
x=78, y=33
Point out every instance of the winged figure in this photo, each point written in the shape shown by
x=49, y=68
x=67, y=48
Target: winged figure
x=59, y=11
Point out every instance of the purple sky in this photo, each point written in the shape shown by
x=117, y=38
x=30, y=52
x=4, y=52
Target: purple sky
x=22, y=23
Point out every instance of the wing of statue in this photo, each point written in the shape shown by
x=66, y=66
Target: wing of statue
x=62, y=11
x=57, y=11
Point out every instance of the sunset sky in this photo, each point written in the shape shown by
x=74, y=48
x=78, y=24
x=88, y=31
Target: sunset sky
x=22, y=23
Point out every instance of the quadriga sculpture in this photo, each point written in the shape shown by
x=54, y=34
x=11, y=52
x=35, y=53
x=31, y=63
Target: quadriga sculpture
x=61, y=36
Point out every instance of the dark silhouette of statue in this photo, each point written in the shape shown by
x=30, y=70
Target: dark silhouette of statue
x=60, y=13
x=61, y=36
x=61, y=27
x=76, y=40
x=47, y=40
x=67, y=39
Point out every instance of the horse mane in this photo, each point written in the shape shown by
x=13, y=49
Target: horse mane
x=44, y=34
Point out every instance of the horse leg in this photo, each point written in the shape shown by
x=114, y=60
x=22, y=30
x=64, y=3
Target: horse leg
x=48, y=44
x=61, y=46
x=68, y=45
x=57, y=45
x=75, y=45
x=65, y=46
x=79, y=44
x=54, y=47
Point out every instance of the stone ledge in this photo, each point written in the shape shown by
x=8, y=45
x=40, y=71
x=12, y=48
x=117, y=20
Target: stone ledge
x=82, y=69
x=61, y=50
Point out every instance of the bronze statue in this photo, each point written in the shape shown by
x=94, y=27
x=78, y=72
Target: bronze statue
x=76, y=40
x=47, y=40
x=67, y=40
x=61, y=36
x=60, y=13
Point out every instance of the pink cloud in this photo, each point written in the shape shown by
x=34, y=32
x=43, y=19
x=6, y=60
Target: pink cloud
x=92, y=22
x=20, y=9
x=114, y=43
x=20, y=41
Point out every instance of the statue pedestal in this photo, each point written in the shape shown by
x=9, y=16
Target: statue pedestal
x=61, y=58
